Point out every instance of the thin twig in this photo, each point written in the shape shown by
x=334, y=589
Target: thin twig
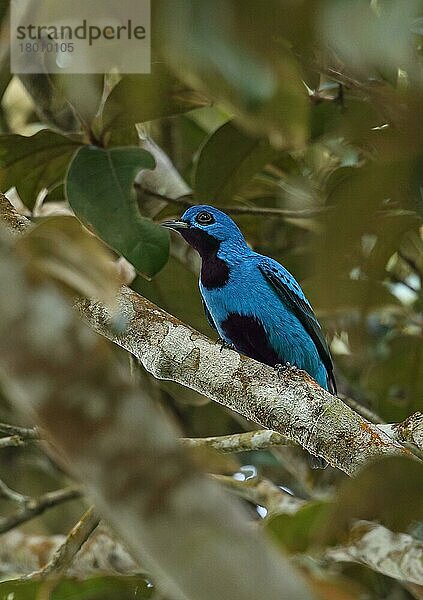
x=240, y=442
x=12, y=441
x=186, y=202
x=286, y=213
x=65, y=554
x=12, y=495
x=25, y=433
x=36, y=507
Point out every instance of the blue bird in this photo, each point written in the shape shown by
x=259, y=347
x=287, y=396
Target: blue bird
x=252, y=301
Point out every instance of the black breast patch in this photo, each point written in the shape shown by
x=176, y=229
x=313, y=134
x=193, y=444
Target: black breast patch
x=249, y=337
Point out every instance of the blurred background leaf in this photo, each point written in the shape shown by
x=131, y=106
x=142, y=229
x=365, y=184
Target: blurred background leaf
x=141, y=98
x=227, y=160
x=96, y=588
x=33, y=163
x=63, y=250
x=376, y=494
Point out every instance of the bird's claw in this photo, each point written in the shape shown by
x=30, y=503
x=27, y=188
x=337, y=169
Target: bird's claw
x=225, y=345
x=282, y=368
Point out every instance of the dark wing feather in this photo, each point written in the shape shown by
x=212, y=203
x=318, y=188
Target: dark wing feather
x=292, y=295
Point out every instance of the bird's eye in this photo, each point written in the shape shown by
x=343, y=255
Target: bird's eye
x=204, y=218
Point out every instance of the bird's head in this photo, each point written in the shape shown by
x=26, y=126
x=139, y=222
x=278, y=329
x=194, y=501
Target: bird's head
x=207, y=229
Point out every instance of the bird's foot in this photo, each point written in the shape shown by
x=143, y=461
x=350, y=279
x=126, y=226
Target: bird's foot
x=283, y=368
x=225, y=345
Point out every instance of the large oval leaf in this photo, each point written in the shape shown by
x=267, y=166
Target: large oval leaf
x=98, y=188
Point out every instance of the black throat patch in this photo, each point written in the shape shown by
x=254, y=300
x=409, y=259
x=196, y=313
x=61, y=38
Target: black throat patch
x=214, y=270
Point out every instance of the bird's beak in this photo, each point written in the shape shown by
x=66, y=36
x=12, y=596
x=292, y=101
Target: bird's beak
x=175, y=225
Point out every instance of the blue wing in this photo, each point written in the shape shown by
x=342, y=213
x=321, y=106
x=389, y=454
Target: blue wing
x=292, y=295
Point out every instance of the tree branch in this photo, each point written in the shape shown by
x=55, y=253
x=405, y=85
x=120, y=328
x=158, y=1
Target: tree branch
x=240, y=442
x=33, y=508
x=24, y=433
x=12, y=441
x=22, y=554
x=12, y=495
x=66, y=552
x=410, y=430
x=362, y=410
x=263, y=492
x=294, y=405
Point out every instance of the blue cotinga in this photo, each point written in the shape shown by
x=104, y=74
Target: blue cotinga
x=252, y=301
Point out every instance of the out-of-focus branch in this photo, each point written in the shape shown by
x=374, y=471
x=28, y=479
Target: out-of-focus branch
x=263, y=492
x=364, y=411
x=17, y=436
x=34, y=507
x=12, y=441
x=13, y=495
x=410, y=430
x=294, y=405
x=66, y=552
x=22, y=554
x=186, y=201
x=24, y=433
x=240, y=442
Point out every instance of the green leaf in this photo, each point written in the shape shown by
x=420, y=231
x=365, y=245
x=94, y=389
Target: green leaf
x=299, y=531
x=98, y=188
x=324, y=118
x=395, y=380
x=256, y=77
x=95, y=588
x=227, y=161
x=141, y=98
x=378, y=493
x=389, y=491
x=34, y=163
